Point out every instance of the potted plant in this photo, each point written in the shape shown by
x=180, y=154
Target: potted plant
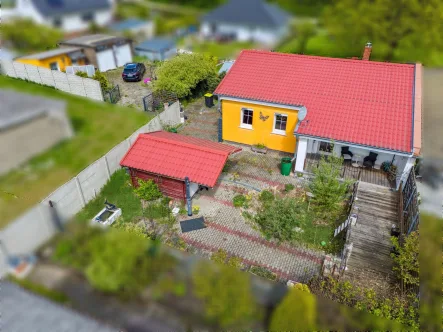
x=259, y=147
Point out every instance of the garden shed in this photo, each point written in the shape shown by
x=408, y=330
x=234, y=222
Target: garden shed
x=168, y=158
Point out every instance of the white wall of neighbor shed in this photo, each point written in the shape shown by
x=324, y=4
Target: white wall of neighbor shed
x=36, y=226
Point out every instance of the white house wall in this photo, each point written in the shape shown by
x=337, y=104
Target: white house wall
x=73, y=23
x=243, y=33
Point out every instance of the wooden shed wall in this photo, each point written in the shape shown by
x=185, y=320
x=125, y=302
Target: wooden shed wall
x=169, y=187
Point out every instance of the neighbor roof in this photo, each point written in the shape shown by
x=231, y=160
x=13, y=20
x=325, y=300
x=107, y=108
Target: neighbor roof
x=18, y=108
x=248, y=12
x=127, y=24
x=51, y=53
x=177, y=156
x=60, y=7
x=362, y=102
x=93, y=40
x=25, y=311
x=156, y=45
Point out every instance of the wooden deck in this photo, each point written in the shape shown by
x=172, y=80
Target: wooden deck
x=370, y=262
x=348, y=171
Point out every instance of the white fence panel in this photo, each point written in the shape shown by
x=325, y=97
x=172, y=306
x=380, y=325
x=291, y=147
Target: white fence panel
x=115, y=155
x=93, y=178
x=93, y=89
x=61, y=81
x=46, y=76
x=20, y=70
x=33, y=74
x=76, y=85
x=67, y=200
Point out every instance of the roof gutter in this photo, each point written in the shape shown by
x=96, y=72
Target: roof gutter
x=413, y=109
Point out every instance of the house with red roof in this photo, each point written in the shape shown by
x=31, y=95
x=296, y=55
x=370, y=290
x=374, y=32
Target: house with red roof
x=367, y=111
x=169, y=159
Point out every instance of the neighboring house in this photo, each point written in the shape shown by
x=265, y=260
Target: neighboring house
x=57, y=59
x=68, y=15
x=29, y=125
x=157, y=49
x=246, y=20
x=25, y=311
x=141, y=29
x=317, y=105
x=169, y=158
x=6, y=54
x=103, y=51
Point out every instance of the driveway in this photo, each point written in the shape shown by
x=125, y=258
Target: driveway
x=131, y=92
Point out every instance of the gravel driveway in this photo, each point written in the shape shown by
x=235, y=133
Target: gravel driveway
x=131, y=92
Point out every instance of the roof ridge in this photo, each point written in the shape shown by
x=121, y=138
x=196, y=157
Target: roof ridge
x=177, y=142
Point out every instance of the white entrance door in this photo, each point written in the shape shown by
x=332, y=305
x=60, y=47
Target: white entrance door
x=123, y=54
x=105, y=60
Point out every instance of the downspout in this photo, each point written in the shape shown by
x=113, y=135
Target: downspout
x=188, y=197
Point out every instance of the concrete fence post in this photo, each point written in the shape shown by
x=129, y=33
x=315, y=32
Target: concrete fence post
x=128, y=140
x=108, y=172
x=80, y=191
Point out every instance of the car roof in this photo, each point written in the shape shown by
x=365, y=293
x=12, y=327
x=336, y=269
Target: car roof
x=130, y=65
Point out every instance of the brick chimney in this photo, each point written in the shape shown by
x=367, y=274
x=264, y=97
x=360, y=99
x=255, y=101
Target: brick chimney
x=367, y=52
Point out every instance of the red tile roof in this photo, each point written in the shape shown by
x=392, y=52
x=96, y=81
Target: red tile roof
x=362, y=102
x=177, y=156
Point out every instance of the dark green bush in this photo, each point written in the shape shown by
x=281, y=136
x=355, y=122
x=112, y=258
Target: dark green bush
x=266, y=196
x=239, y=200
x=289, y=187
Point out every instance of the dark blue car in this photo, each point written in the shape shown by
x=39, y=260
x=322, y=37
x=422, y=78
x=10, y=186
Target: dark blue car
x=133, y=72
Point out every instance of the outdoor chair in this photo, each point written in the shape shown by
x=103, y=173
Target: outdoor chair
x=346, y=154
x=369, y=161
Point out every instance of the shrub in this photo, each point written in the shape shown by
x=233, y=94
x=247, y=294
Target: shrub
x=226, y=295
x=82, y=74
x=239, y=200
x=289, y=187
x=406, y=262
x=147, y=190
x=262, y=272
x=266, y=196
x=220, y=256
x=260, y=146
x=103, y=80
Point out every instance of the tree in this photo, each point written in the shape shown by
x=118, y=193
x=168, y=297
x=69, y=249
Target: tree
x=329, y=191
x=297, y=312
x=387, y=24
x=226, y=295
x=120, y=263
x=406, y=261
x=187, y=75
x=27, y=36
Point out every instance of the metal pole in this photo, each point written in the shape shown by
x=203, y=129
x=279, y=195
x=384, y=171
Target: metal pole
x=188, y=197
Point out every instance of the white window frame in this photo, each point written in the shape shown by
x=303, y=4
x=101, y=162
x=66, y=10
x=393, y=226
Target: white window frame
x=279, y=131
x=245, y=125
x=324, y=152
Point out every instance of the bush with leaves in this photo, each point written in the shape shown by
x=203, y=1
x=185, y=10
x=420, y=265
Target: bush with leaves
x=221, y=257
x=187, y=75
x=103, y=80
x=406, y=261
x=329, y=191
x=280, y=218
x=121, y=263
x=289, y=187
x=27, y=36
x=266, y=196
x=239, y=200
x=147, y=190
x=297, y=312
x=82, y=74
x=226, y=295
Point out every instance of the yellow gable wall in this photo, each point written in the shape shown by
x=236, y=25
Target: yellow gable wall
x=261, y=131
x=63, y=60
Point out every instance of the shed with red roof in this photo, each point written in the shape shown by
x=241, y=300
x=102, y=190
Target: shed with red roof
x=169, y=158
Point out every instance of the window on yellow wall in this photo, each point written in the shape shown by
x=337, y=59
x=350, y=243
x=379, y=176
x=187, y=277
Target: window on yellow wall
x=280, y=122
x=246, y=118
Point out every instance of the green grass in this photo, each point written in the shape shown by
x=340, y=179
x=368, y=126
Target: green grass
x=118, y=191
x=50, y=294
x=221, y=50
x=98, y=127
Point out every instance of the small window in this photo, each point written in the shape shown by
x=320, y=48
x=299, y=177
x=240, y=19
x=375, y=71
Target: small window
x=326, y=147
x=87, y=17
x=280, y=121
x=57, y=23
x=53, y=66
x=246, y=120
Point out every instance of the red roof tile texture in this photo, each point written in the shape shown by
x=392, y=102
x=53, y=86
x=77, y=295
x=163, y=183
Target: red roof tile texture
x=362, y=102
x=177, y=156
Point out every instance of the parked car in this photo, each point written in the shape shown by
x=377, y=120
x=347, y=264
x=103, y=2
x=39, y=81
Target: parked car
x=133, y=72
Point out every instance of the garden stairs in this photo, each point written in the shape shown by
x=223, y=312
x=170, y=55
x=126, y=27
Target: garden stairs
x=370, y=263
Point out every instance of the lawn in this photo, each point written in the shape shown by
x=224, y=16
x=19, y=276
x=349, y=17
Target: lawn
x=98, y=127
x=221, y=50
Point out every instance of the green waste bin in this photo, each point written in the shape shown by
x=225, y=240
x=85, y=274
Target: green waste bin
x=286, y=164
